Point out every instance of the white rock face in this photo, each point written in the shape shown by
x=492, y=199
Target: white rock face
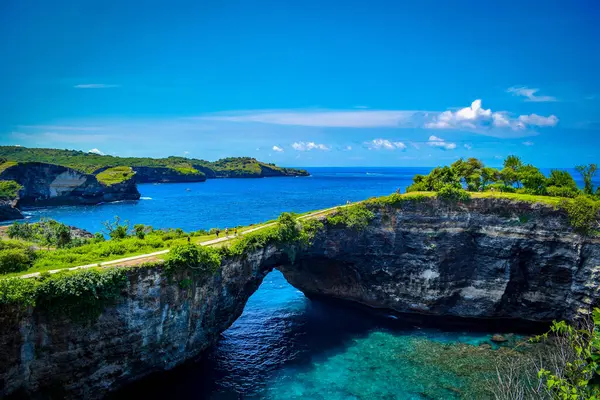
x=65, y=183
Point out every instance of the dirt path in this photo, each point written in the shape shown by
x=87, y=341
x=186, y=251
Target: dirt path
x=149, y=257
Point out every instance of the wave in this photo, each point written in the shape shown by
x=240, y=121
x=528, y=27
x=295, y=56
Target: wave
x=145, y=198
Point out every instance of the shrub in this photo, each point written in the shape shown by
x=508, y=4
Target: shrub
x=583, y=214
x=558, y=191
x=80, y=295
x=355, y=217
x=193, y=258
x=15, y=260
x=140, y=231
x=22, y=231
x=116, y=229
x=452, y=193
x=500, y=187
x=9, y=190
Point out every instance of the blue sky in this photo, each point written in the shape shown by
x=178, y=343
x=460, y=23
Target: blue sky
x=305, y=83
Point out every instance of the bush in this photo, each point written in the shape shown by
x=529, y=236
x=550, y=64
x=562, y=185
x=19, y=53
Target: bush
x=562, y=191
x=355, y=217
x=453, y=194
x=15, y=260
x=193, y=258
x=9, y=190
x=500, y=187
x=583, y=214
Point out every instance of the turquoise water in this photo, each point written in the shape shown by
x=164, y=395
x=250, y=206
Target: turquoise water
x=286, y=346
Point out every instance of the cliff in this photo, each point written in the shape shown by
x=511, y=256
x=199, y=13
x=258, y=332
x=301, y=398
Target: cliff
x=8, y=210
x=488, y=258
x=150, y=170
x=49, y=184
x=166, y=175
x=156, y=324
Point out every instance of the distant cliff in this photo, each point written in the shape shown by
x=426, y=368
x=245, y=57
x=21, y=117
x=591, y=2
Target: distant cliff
x=49, y=185
x=151, y=170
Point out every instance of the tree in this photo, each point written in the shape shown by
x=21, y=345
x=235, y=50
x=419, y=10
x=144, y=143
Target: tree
x=513, y=162
x=533, y=180
x=488, y=175
x=509, y=176
x=140, y=230
x=63, y=235
x=587, y=172
x=560, y=178
x=469, y=172
x=115, y=229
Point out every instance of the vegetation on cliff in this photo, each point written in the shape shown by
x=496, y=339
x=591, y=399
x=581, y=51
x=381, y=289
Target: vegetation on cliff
x=464, y=179
x=114, y=175
x=80, y=295
x=9, y=190
x=473, y=176
x=91, y=162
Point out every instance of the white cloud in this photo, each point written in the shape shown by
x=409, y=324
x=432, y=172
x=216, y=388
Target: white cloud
x=95, y=86
x=323, y=118
x=277, y=148
x=377, y=144
x=96, y=151
x=538, y=120
x=302, y=146
x=529, y=94
x=185, y=153
x=528, y=143
x=348, y=148
x=438, y=142
x=481, y=120
x=468, y=146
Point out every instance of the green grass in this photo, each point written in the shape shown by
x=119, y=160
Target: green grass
x=187, y=170
x=6, y=165
x=115, y=175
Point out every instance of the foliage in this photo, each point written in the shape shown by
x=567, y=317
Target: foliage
x=187, y=170
x=436, y=179
x=579, y=375
x=116, y=229
x=140, y=231
x=452, y=193
x=190, y=257
x=533, y=180
x=587, y=172
x=79, y=295
x=562, y=179
x=16, y=260
x=90, y=162
x=355, y=217
x=583, y=214
x=114, y=175
x=46, y=232
x=561, y=191
x=9, y=190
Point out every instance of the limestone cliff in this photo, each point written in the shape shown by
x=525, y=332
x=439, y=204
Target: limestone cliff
x=49, y=184
x=488, y=258
x=157, y=324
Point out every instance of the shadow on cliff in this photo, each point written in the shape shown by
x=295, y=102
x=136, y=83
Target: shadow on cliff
x=280, y=328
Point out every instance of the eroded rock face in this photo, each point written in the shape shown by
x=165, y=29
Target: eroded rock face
x=49, y=184
x=155, y=326
x=8, y=210
x=491, y=258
